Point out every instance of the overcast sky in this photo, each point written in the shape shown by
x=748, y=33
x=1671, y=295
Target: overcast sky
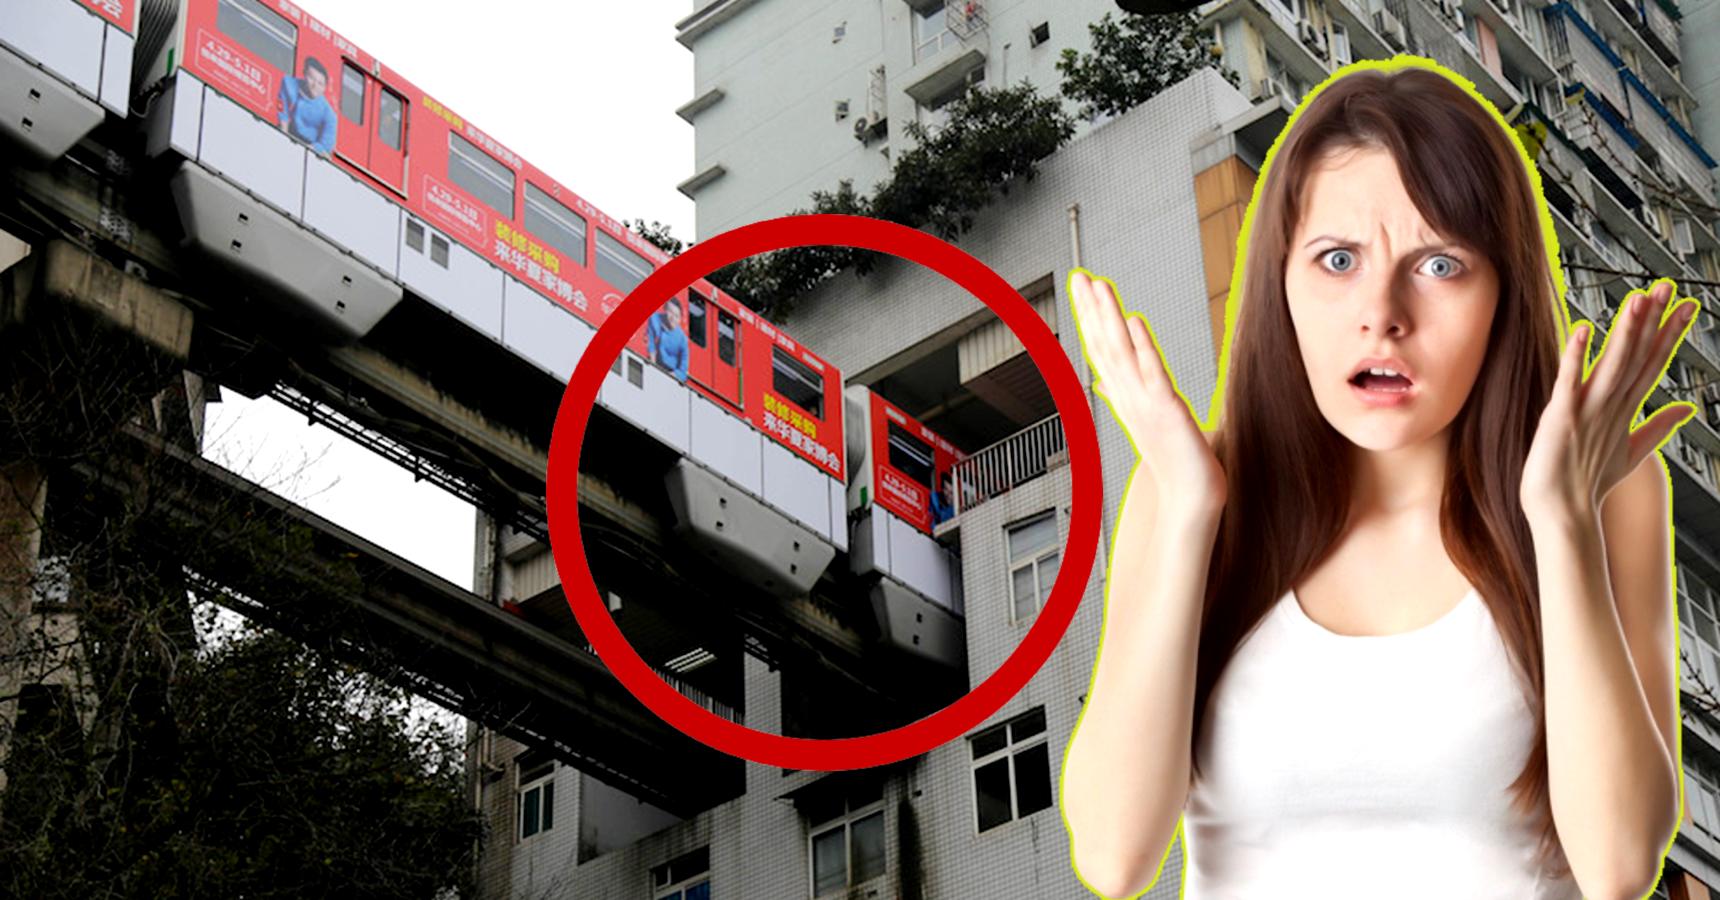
x=586, y=92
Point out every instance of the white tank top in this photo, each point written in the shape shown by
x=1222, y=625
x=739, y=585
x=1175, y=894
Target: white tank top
x=1350, y=766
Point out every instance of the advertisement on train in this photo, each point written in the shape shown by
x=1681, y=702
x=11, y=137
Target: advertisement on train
x=294, y=71
x=911, y=466
x=120, y=12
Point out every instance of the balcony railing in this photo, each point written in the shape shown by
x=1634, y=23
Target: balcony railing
x=1021, y=457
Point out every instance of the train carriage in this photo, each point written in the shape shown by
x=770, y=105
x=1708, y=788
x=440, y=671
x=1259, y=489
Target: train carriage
x=339, y=190
x=63, y=68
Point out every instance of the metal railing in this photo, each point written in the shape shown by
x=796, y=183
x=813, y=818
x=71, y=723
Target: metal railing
x=704, y=700
x=1021, y=457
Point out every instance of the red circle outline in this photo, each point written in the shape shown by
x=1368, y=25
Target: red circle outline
x=966, y=713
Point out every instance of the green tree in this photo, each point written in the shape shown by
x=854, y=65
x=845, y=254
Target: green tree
x=658, y=234
x=992, y=137
x=1134, y=60
x=146, y=752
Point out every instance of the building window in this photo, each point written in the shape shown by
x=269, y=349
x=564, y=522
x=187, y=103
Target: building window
x=1011, y=770
x=618, y=264
x=847, y=838
x=1033, y=558
x=537, y=798
x=931, y=31
x=479, y=174
x=260, y=30
x=686, y=877
x=561, y=227
x=797, y=381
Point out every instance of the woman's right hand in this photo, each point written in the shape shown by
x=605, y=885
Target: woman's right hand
x=1142, y=394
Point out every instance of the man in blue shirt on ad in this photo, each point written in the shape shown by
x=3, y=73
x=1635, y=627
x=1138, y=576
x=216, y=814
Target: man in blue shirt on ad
x=305, y=113
x=665, y=342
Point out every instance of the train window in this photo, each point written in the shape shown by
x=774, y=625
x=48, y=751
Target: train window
x=439, y=250
x=635, y=371
x=260, y=30
x=910, y=455
x=392, y=122
x=415, y=234
x=352, y=93
x=563, y=228
x=725, y=338
x=479, y=174
x=618, y=264
x=798, y=382
x=698, y=329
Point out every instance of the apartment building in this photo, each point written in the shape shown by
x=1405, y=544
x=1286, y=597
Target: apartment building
x=790, y=98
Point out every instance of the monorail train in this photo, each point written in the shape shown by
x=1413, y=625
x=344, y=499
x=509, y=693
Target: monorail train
x=338, y=187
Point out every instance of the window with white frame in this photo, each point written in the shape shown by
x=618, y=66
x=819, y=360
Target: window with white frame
x=1699, y=791
x=1697, y=617
x=686, y=877
x=1011, y=770
x=1340, y=44
x=1033, y=558
x=931, y=31
x=846, y=838
x=536, y=798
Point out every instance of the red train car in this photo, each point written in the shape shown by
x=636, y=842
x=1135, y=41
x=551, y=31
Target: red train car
x=910, y=466
x=333, y=105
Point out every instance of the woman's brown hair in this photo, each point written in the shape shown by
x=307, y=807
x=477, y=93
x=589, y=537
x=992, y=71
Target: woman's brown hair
x=1288, y=470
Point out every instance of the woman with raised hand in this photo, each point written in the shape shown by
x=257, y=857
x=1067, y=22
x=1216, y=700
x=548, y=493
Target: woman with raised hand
x=1401, y=624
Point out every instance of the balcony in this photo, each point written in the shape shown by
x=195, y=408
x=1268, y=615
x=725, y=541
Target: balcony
x=1622, y=22
x=1373, y=35
x=1515, y=42
x=1281, y=31
x=1681, y=154
x=1017, y=459
x=1436, y=28
x=949, y=41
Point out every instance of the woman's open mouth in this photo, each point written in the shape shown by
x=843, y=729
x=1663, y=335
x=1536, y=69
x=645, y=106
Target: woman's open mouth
x=1381, y=387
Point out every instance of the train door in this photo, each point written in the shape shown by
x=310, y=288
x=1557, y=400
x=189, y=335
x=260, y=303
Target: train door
x=373, y=126
x=388, y=138
x=699, y=338
x=726, y=364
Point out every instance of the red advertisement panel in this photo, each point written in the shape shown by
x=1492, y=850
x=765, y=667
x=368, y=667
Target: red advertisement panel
x=909, y=463
x=293, y=70
x=120, y=12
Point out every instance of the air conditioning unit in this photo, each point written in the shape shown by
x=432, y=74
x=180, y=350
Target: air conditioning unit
x=1271, y=87
x=1448, y=9
x=1389, y=28
x=1648, y=218
x=1312, y=37
x=867, y=128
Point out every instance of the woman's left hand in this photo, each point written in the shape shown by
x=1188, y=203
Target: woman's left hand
x=1583, y=445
